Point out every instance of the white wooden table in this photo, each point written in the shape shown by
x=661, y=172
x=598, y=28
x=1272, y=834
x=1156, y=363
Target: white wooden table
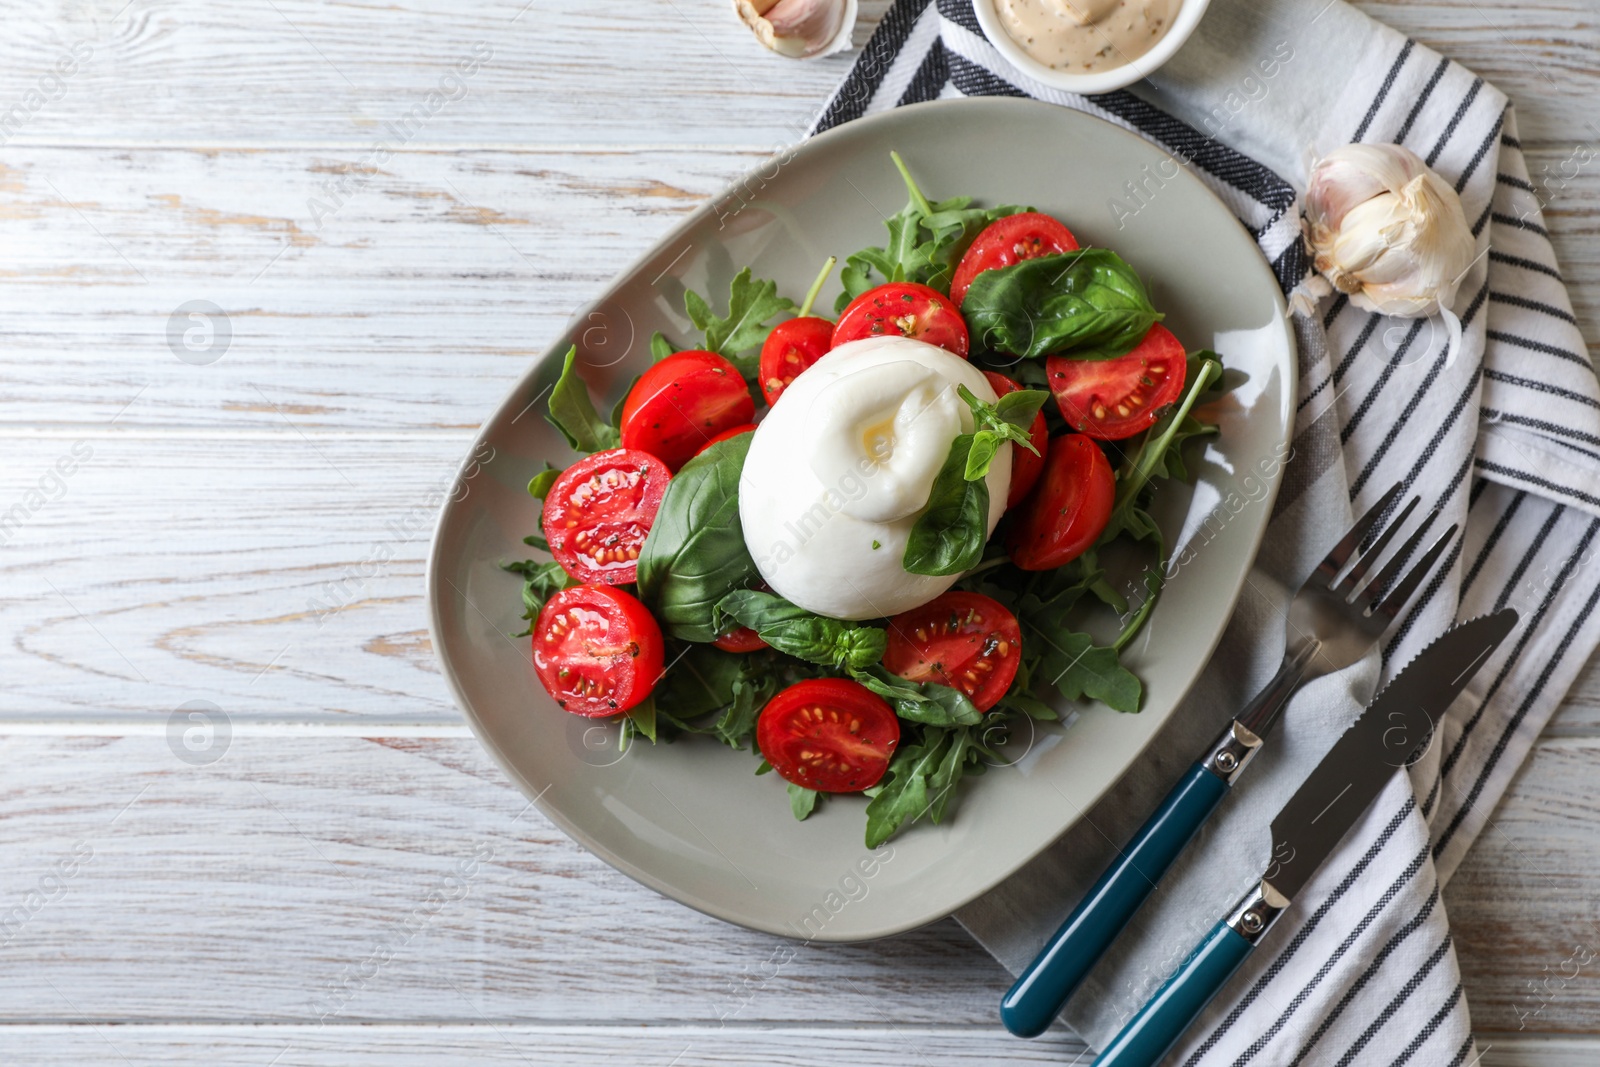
x=353, y=881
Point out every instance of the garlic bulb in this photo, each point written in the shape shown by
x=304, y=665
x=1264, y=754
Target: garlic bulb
x=800, y=28
x=1387, y=230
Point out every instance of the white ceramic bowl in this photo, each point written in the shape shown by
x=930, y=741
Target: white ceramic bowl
x=1104, y=81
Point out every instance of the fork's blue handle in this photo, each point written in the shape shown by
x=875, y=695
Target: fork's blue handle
x=1149, y=1035
x=1038, y=994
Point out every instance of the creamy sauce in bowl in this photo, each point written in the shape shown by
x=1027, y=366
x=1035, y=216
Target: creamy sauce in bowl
x=1086, y=36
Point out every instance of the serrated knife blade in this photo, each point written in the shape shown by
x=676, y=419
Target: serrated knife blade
x=1382, y=739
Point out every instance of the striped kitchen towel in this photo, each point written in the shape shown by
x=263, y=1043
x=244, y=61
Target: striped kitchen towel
x=1501, y=431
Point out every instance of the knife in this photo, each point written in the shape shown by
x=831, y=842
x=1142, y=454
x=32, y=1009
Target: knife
x=1330, y=801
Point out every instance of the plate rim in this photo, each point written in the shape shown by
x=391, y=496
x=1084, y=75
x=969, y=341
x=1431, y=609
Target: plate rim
x=433, y=572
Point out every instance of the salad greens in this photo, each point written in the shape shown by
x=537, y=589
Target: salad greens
x=948, y=538
x=695, y=554
x=751, y=303
x=1009, y=419
x=793, y=630
x=926, y=241
x=573, y=413
x=697, y=576
x=1088, y=304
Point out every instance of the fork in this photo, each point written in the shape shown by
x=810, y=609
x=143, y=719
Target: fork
x=1331, y=623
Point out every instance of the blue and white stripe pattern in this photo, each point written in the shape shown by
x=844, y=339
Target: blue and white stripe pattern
x=1504, y=435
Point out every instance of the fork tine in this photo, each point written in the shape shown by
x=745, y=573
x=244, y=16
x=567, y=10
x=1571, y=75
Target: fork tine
x=1330, y=567
x=1375, y=552
x=1391, y=605
x=1387, y=578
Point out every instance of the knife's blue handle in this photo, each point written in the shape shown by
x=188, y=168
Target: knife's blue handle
x=1150, y=1034
x=1039, y=992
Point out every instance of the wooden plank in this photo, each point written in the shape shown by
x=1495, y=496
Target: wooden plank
x=349, y=879
x=161, y=569
x=536, y=72
x=1522, y=905
x=414, y=306
x=403, y=878
x=408, y=298
x=431, y=1045
x=655, y=72
x=1517, y=1050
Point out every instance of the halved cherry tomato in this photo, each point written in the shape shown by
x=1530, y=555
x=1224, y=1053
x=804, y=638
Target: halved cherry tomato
x=790, y=348
x=598, y=513
x=748, y=427
x=683, y=402
x=964, y=640
x=1067, y=509
x=743, y=639
x=597, y=650
x=1025, y=466
x=1111, y=399
x=904, y=309
x=828, y=734
x=1026, y=235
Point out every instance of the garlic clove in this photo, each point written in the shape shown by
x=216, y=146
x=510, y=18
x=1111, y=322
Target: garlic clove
x=1386, y=230
x=800, y=29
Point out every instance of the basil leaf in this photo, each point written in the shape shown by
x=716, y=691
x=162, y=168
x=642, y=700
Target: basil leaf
x=948, y=538
x=797, y=632
x=1088, y=304
x=997, y=423
x=751, y=302
x=1019, y=407
x=924, y=702
x=540, y=582
x=984, y=446
x=572, y=412
x=802, y=801
x=695, y=553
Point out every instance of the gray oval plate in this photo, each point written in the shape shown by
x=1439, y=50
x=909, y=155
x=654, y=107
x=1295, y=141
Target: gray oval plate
x=689, y=819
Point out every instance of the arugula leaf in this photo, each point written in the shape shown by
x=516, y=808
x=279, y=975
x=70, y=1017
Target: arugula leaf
x=942, y=782
x=1008, y=420
x=572, y=412
x=1088, y=304
x=539, y=485
x=903, y=793
x=1078, y=668
x=695, y=553
x=948, y=538
x=738, y=720
x=642, y=717
x=926, y=241
x=751, y=302
x=540, y=582
x=1127, y=513
x=797, y=632
x=660, y=347
x=925, y=702
x=801, y=801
